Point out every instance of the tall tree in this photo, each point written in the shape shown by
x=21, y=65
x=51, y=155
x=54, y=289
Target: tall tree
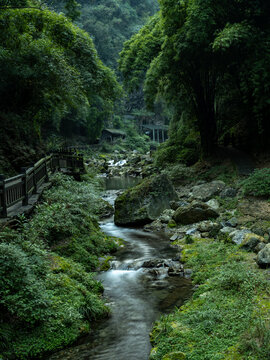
x=208, y=47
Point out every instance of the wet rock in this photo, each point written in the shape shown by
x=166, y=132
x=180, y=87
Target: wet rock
x=145, y=202
x=263, y=257
x=176, y=270
x=207, y=191
x=152, y=263
x=194, y=213
x=176, y=355
x=228, y=192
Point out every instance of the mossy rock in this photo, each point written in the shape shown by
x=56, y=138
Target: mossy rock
x=251, y=241
x=143, y=203
x=194, y=213
x=176, y=355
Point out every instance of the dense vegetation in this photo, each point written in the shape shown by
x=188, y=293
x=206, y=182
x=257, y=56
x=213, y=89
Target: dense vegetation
x=48, y=296
x=51, y=79
x=227, y=317
x=111, y=22
x=210, y=61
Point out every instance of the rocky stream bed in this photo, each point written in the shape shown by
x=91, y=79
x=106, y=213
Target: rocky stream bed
x=146, y=277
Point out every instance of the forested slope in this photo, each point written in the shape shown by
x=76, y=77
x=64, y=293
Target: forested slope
x=210, y=61
x=52, y=79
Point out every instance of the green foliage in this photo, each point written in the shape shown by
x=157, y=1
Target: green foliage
x=60, y=83
x=72, y=9
x=146, y=42
x=212, y=63
x=182, y=146
x=48, y=296
x=223, y=314
x=258, y=183
x=112, y=22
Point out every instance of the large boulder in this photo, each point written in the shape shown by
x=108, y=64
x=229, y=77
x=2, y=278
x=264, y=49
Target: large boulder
x=205, y=192
x=145, y=202
x=263, y=257
x=194, y=213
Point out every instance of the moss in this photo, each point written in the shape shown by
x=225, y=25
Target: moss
x=105, y=264
x=228, y=315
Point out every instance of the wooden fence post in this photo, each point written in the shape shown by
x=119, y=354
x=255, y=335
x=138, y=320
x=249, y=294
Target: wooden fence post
x=25, y=190
x=3, y=196
x=34, y=180
x=46, y=171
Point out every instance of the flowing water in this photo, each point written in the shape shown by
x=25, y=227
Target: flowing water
x=138, y=290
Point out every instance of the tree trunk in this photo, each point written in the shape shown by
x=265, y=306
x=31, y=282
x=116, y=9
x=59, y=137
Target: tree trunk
x=204, y=98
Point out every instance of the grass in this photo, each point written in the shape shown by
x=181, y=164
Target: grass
x=48, y=294
x=228, y=315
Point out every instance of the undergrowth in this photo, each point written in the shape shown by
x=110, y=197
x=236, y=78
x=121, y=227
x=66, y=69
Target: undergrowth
x=228, y=315
x=258, y=183
x=48, y=296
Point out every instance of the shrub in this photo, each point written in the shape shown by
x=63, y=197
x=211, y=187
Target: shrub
x=47, y=296
x=258, y=183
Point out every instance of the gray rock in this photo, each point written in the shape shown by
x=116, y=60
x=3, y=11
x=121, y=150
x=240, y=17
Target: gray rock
x=166, y=216
x=246, y=239
x=209, y=226
x=174, y=237
x=194, y=213
x=175, y=269
x=238, y=236
x=228, y=192
x=226, y=230
x=233, y=222
x=191, y=231
x=263, y=257
x=145, y=202
x=176, y=204
x=213, y=204
x=259, y=247
x=250, y=244
x=207, y=191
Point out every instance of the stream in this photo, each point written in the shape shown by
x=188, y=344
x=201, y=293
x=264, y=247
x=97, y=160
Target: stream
x=138, y=290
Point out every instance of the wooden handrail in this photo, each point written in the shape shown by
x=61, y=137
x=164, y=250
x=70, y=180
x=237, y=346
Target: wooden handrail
x=21, y=187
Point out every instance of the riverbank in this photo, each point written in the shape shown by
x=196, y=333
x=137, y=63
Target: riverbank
x=218, y=230
x=228, y=314
x=49, y=296
x=221, y=228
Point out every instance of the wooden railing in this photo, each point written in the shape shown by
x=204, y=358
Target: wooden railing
x=20, y=188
